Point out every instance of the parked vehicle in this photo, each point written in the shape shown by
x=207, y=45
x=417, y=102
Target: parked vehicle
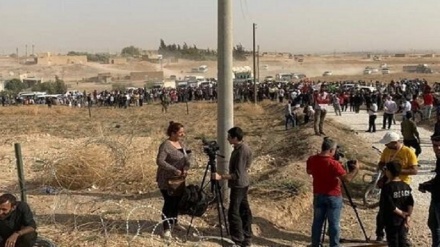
x=385, y=71
x=421, y=68
x=367, y=88
x=327, y=73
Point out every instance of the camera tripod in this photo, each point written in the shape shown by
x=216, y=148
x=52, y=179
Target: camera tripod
x=350, y=200
x=217, y=195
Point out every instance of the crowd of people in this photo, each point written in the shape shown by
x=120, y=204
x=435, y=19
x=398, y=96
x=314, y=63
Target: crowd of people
x=398, y=161
x=398, y=97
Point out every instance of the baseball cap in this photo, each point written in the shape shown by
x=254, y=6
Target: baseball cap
x=390, y=137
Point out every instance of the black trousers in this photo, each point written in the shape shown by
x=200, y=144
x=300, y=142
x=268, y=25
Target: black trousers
x=380, y=224
x=415, y=144
x=170, y=209
x=26, y=240
x=372, y=123
x=397, y=236
x=387, y=118
x=240, y=217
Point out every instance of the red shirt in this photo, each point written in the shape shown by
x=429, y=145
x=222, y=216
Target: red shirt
x=325, y=172
x=415, y=105
x=428, y=99
x=341, y=99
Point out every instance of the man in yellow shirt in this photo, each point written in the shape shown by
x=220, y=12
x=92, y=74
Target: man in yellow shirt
x=395, y=151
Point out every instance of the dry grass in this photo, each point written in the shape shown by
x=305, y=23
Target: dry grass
x=82, y=154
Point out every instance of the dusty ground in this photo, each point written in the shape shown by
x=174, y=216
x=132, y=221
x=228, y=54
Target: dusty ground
x=109, y=159
x=118, y=191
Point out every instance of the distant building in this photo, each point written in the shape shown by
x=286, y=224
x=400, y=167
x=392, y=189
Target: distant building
x=49, y=59
x=104, y=77
x=147, y=76
x=2, y=85
x=400, y=55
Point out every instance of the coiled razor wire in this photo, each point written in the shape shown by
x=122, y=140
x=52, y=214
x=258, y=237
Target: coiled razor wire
x=169, y=242
x=63, y=199
x=138, y=230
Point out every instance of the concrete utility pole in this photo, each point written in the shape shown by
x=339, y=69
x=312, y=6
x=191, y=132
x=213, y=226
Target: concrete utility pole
x=18, y=58
x=225, y=105
x=26, y=52
x=255, y=64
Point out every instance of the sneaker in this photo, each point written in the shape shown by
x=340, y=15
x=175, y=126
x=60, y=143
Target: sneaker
x=167, y=234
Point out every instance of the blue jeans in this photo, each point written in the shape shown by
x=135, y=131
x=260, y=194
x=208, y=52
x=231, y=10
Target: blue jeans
x=326, y=207
x=434, y=223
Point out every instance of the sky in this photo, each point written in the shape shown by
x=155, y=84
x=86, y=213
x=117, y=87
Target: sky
x=297, y=26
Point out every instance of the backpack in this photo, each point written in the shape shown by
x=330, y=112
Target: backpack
x=194, y=201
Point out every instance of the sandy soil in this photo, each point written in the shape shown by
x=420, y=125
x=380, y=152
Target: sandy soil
x=100, y=216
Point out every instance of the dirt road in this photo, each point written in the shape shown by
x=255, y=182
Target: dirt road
x=359, y=123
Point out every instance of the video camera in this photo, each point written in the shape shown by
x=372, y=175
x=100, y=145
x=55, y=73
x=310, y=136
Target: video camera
x=210, y=147
x=339, y=153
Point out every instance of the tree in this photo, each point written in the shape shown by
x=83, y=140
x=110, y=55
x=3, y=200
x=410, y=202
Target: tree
x=185, y=47
x=15, y=85
x=239, y=53
x=163, y=46
x=185, y=51
x=131, y=51
x=56, y=87
x=59, y=86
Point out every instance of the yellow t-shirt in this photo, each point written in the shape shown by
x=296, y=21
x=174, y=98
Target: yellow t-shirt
x=405, y=156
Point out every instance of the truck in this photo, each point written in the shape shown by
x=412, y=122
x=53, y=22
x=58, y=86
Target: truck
x=182, y=84
x=420, y=68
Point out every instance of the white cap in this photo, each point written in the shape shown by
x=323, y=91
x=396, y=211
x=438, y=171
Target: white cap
x=390, y=137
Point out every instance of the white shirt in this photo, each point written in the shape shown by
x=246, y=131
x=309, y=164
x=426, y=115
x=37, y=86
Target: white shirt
x=403, y=87
x=288, y=109
x=406, y=107
x=390, y=107
x=373, y=109
x=281, y=92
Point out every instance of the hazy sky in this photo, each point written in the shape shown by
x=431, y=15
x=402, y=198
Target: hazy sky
x=299, y=26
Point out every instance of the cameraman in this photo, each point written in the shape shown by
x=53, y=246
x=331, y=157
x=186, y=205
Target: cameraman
x=327, y=174
x=239, y=212
x=433, y=186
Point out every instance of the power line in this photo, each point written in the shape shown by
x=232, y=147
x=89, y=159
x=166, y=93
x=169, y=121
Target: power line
x=242, y=10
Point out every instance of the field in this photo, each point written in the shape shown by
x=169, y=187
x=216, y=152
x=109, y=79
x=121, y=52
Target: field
x=91, y=180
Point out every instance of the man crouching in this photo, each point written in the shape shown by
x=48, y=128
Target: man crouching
x=327, y=174
x=17, y=224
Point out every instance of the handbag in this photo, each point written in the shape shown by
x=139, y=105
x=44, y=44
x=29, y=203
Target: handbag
x=176, y=185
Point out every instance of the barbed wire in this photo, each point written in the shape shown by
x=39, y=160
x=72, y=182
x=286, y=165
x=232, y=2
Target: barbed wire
x=106, y=218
